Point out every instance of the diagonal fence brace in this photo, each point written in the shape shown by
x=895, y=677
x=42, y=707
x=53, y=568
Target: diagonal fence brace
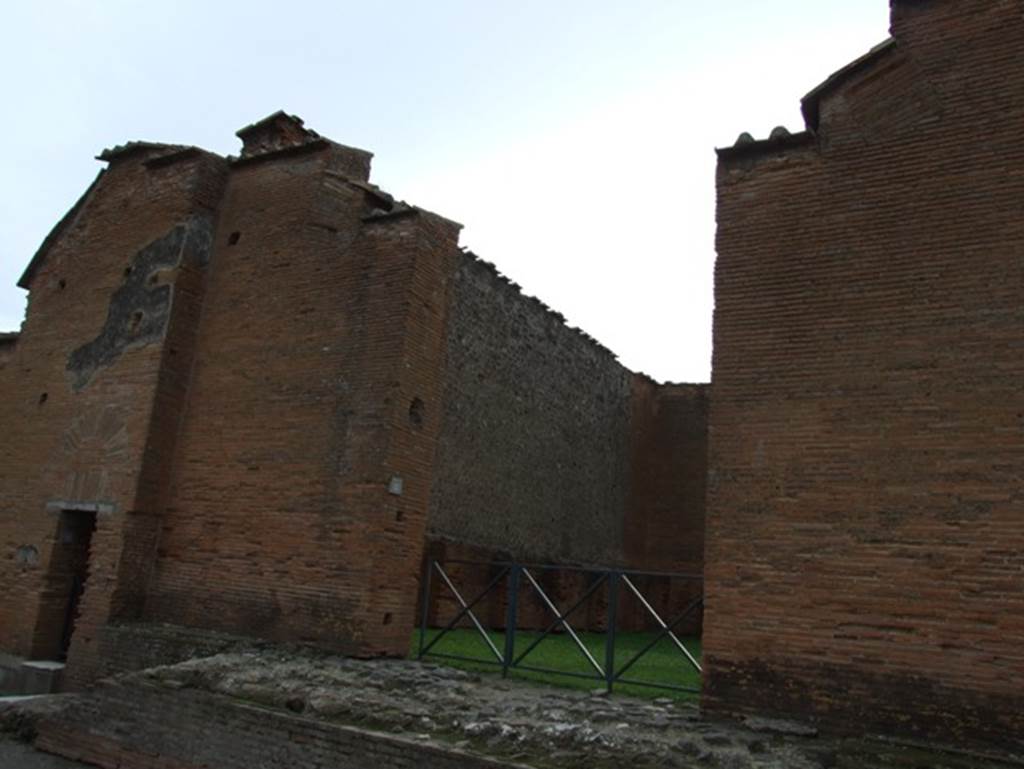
x=564, y=622
x=666, y=630
x=467, y=610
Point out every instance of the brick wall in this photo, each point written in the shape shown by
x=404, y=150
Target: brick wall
x=298, y=491
x=78, y=392
x=8, y=344
x=261, y=375
x=864, y=553
x=146, y=727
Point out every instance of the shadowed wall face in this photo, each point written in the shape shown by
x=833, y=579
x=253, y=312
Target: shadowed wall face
x=534, y=447
x=865, y=517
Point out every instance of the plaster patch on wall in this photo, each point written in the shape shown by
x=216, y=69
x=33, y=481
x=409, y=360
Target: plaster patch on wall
x=140, y=307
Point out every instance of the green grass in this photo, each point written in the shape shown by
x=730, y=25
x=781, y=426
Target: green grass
x=663, y=664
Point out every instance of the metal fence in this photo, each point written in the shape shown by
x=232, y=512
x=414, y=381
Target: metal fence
x=612, y=587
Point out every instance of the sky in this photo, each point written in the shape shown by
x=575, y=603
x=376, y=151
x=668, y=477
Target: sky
x=573, y=139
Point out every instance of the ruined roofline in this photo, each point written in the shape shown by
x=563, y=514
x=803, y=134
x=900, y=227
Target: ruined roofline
x=313, y=145
x=516, y=290
x=9, y=337
x=554, y=315
x=809, y=105
x=781, y=139
x=668, y=385
x=54, y=235
x=121, y=151
x=258, y=125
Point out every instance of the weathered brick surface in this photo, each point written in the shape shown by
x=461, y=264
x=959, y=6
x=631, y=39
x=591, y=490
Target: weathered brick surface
x=145, y=727
x=865, y=517
x=318, y=331
x=263, y=376
x=79, y=392
x=8, y=343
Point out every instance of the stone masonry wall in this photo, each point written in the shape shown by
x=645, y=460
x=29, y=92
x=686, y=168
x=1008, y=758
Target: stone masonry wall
x=534, y=455
x=865, y=554
x=551, y=451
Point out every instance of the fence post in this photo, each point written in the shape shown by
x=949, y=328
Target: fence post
x=609, y=636
x=511, y=617
x=425, y=608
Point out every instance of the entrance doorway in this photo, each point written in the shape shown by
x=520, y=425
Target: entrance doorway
x=69, y=570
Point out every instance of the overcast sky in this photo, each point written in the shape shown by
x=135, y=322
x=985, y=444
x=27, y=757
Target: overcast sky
x=574, y=140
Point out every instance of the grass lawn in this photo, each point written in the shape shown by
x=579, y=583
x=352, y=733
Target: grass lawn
x=663, y=664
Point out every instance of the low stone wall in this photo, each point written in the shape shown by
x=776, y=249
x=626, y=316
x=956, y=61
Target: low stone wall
x=148, y=727
x=274, y=708
x=127, y=647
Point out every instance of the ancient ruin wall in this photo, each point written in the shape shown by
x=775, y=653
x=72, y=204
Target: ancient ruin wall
x=8, y=344
x=82, y=385
x=865, y=550
x=299, y=488
x=534, y=455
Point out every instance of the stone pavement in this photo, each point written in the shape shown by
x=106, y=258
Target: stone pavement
x=529, y=723
x=512, y=721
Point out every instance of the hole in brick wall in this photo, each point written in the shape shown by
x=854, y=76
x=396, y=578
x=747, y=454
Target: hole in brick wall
x=43, y=398
x=154, y=279
x=27, y=557
x=135, y=321
x=127, y=271
x=416, y=409
x=62, y=284
x=399, y=516
x=172, y=351
x=387, y=618
x=234, y=238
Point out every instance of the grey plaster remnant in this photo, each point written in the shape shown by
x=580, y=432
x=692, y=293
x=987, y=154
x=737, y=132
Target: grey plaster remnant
x=140, y=308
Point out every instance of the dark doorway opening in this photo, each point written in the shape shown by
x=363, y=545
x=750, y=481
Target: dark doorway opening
x=69, y=569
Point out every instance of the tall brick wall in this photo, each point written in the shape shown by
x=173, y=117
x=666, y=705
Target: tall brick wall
x=299, y=489
x=79, y=391
x=866, y=523
x=665, y=513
